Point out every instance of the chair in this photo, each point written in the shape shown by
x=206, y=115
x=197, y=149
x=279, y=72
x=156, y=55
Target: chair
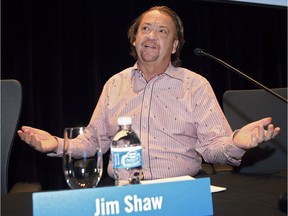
x=11, y=101
x=244, y=106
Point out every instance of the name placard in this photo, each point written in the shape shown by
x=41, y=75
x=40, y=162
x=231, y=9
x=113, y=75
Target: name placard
x=189, y=197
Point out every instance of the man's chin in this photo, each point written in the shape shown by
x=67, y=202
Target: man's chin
x=149, y=58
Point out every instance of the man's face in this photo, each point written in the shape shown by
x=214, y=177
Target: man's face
x=156, y=38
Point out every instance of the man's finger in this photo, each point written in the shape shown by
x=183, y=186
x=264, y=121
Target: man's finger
x=254, y=141
x=269, y=133
x=261, y=134
x=265, y=121
x=275, y=132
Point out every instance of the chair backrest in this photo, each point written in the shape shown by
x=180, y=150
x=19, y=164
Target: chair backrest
x=244, y=106
x=11, y=101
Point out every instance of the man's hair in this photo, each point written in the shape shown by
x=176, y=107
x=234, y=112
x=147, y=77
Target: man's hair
x=175, y=58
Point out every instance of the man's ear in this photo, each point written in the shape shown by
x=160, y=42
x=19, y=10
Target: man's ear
x=175, y=45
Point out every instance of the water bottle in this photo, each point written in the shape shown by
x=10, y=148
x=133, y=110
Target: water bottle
x=126, y=152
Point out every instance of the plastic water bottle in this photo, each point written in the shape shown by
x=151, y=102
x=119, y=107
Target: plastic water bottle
x=126, y=153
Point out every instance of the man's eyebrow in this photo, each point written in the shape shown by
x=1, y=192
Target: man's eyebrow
x=150, y=24
x=163, y=26
x=146, y=23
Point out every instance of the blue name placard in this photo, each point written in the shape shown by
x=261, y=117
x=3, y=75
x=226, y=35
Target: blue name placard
x=189, y=197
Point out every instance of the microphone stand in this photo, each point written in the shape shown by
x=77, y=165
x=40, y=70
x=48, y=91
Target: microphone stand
x=282, y=199
x=200, y=52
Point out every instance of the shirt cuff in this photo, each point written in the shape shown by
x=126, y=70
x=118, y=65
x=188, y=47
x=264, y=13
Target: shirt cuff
x=232, y=151
x=59, y=151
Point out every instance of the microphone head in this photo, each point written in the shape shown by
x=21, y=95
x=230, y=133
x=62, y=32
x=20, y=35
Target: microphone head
x=198, y=51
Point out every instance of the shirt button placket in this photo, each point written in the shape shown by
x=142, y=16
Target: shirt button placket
x=145, y=126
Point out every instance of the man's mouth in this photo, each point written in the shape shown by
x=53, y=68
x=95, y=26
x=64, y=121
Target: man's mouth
x=149, y=46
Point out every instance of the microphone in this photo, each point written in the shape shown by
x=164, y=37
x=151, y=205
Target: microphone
x=200, y=52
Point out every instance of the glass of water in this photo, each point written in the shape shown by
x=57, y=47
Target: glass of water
x=82, y=169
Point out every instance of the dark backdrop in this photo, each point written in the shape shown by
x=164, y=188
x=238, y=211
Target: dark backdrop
x=64, y=51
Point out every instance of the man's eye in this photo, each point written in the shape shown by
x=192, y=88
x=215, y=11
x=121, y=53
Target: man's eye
x=145, y=28
x=163, y=31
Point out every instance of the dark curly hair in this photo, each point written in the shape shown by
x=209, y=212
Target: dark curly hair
x=175, y=58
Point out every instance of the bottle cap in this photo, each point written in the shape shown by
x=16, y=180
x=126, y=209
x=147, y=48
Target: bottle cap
x=124, y=120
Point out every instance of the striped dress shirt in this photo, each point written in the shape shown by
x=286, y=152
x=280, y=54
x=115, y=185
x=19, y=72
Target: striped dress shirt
x=176, y=116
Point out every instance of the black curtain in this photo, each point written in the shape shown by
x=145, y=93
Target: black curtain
x=64, y=51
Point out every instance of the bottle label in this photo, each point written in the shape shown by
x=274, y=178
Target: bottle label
x=127, y=157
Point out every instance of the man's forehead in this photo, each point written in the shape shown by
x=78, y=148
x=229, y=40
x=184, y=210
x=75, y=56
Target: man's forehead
x=158, y=17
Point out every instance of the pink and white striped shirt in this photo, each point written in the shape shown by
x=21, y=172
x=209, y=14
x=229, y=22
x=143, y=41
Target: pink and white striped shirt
x=176, y=116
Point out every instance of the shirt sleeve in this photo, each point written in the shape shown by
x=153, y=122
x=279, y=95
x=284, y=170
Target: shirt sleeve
x=215, y=137
x=94, y=134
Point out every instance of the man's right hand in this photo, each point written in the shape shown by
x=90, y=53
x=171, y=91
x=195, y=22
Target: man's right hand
x=38, y=139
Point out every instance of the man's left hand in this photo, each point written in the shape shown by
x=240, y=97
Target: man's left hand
x=251, y=135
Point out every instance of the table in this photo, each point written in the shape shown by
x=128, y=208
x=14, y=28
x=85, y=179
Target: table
x=246, y=194
x=249, y=194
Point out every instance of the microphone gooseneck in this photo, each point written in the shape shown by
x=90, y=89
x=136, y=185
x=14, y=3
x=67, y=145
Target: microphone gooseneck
x=200, y=52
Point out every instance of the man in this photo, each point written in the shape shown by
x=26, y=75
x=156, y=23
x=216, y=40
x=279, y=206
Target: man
x=174, y=110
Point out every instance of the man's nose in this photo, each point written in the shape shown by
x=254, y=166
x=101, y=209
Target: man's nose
x=152, y=34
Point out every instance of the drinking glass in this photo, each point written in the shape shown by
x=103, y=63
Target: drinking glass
x=82, y=169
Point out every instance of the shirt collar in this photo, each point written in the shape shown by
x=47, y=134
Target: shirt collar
x=171, y=71
x=135, y=70
x=138, y=82
x=174, y=72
